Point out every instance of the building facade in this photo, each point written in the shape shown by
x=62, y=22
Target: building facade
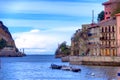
x=100, y=39
x=93, y=40
x=109, y=8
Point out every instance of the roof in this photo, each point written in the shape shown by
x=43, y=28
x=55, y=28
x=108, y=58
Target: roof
x=109, y=2
x=117, y=14
x=111, y=21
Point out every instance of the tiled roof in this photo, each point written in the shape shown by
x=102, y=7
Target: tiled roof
x=109, y=2
x=111, y=21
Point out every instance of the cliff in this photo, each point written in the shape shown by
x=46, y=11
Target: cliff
x=7, y=44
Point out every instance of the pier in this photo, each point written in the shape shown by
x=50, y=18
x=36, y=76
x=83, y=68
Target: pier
x=95, y=60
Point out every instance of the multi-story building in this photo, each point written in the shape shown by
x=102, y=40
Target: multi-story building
x=109, y=29
x=93, y=39
x=101, y=39
x=108, y=38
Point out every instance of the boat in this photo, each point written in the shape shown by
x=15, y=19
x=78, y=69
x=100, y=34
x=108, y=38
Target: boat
x=54, y=66
x=75, y=69
x=118, y=74
x=66, y=68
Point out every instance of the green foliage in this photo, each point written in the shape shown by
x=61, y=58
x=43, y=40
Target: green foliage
x=100, y=16
x=3, y=43
x=63, y=49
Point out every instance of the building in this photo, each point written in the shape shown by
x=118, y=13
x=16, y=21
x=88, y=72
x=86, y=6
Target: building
x=108, y=38
x=93, y=39
x=109, y=8
x=109, y=30
x=78, y=41
x=100, y=39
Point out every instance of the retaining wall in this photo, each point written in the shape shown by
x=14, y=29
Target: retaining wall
x=95, y=60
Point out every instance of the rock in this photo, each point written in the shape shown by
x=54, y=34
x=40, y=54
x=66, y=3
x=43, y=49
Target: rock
x=10, y=50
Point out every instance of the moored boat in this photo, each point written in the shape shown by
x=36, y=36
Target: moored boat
x=75, y=69
x=67, y=68
x=54, y=66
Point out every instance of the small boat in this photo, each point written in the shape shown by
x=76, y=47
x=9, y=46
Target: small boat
x=54, y=66
x=118, y=74
x=75, y=69
x=67, y=68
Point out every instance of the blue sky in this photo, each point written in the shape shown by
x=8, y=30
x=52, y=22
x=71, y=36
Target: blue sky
x=40, y=25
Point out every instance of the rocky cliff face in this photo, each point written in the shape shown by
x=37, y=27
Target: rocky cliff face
x=5, y=34
x=10, y=48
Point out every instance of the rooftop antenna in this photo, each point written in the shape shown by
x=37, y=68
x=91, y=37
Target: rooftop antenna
x=92, y=16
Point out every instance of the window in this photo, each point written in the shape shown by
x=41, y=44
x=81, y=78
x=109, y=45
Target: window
x=114, y=53
x=109, y=12
x=109, y=43
x=112, y=28
x=107, y=17
x=102, y=29
x=106, y=13
x=105, y=29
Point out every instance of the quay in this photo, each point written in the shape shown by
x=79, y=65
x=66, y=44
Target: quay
x=95, y=60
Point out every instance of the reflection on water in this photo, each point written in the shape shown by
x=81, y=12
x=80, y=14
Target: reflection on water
x=37, y=68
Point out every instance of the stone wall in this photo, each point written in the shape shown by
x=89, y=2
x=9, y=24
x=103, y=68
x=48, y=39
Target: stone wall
x=65, y=59
x=95, y=60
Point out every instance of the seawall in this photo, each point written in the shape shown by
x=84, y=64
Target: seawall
x=95, y=60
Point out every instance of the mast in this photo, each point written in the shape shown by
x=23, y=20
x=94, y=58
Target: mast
x=92, y=16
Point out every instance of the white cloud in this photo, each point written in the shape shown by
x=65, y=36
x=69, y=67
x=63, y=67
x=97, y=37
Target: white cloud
x=35, y=31
x=39, y=41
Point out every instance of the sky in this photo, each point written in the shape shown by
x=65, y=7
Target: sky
x=40, y=25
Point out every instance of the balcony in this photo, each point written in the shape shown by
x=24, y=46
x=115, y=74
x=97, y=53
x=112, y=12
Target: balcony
x=107, y=38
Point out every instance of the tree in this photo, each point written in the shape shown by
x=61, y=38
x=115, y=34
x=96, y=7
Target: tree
x=63, y=49
x=100, y=16
x=3, y=43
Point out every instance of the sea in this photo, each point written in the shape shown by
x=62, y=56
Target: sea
x=37, y=67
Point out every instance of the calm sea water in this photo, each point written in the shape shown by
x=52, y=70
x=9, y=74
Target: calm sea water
x=37, y=68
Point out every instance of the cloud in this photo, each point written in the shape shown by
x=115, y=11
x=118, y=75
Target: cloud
x=40, y=41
